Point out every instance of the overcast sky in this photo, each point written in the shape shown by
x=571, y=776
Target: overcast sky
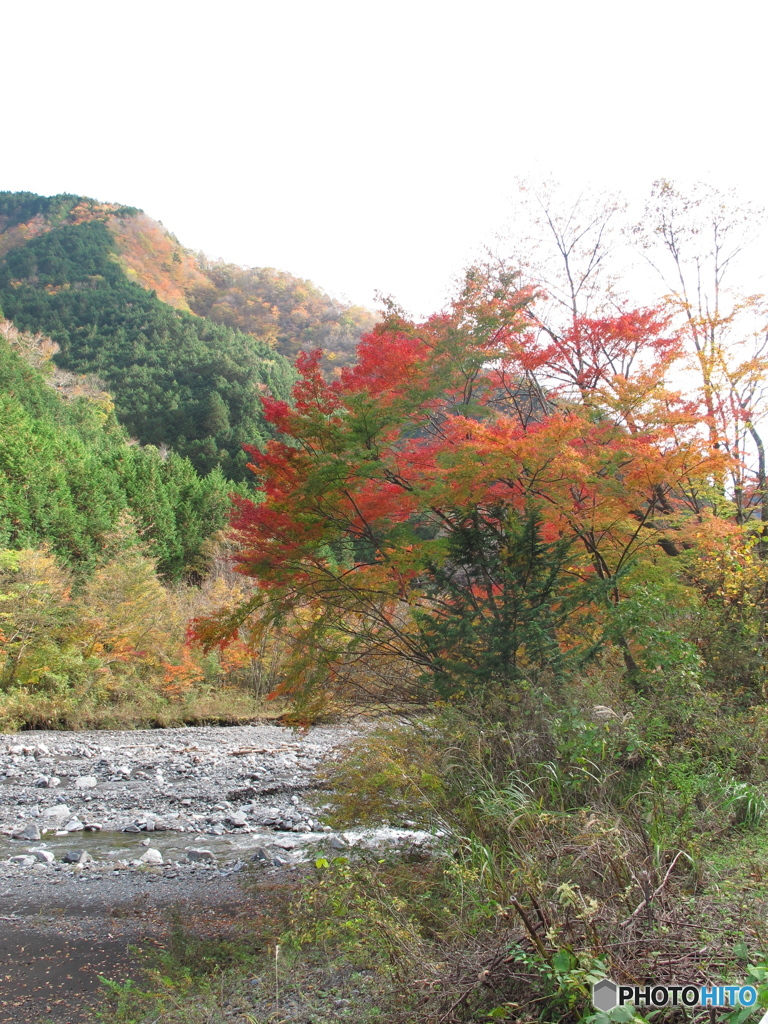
x=373, y=146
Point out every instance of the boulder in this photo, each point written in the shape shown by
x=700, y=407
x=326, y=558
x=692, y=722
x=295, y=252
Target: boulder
x=30, y=832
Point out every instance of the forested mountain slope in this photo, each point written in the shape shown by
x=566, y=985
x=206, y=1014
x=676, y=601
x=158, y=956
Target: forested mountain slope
x=185, y=346
x=68, y=473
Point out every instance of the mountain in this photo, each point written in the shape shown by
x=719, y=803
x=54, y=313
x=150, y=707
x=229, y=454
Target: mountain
x=186, y=346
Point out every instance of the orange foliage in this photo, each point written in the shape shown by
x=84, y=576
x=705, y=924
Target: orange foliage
x=153, y=258
x=178, y=679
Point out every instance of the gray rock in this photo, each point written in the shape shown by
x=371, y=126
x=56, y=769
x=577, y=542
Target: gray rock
x=152, y=857
x=77, y=857
x=75, y=825
x=131, y=828
x=30, y=832
x=91, y=826
x=236, y=820
x=57, y=811
x=337, y=843
x=201, y=855
x=42, y=782
x=86, y=782
x=280, y=862
x=23, y=860
x=43, y=856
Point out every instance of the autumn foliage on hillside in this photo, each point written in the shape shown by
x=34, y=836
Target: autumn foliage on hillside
x=292, y=314
x=155, y=259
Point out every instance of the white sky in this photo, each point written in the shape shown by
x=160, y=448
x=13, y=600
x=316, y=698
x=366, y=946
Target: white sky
x=373, y=145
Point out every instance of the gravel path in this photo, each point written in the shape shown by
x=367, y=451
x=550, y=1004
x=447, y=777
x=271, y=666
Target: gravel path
x=102, y=833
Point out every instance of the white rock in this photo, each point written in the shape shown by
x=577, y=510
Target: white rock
x=44, y=856
x=200, y=855
x=151, y=857
x=86, y=782
x=57, y=811
x=30, y=832
x=75, y=825
x=23, y=860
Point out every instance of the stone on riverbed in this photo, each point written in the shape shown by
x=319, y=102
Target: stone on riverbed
x=86, y=782
x=57, y=811
x=151, y=857
x=43, y=856
x=30, y=832
x=77, y=857
x=23, y=860
x=201, y=855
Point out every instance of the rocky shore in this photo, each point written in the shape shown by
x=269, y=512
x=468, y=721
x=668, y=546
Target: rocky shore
x=103, y=833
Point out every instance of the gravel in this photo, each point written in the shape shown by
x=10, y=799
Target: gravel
x=229, y=791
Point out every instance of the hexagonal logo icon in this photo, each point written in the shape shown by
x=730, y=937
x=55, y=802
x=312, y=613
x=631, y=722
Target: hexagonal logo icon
x=604, y=995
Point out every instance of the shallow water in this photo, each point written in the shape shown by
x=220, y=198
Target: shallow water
x=173, y=845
